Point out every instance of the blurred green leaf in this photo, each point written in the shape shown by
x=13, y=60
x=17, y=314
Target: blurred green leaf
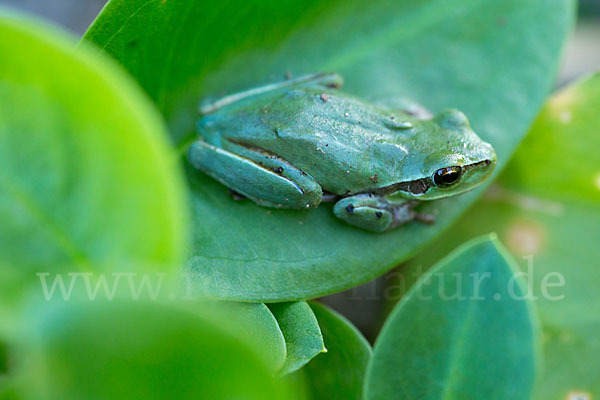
x=3, y=360
x=303, y=339
x=338, y=373
x=253, y=321
x=463, y=332
x=545, y=208
x=8, y=392
x=493, y=59
x=88, y=183
x=3, y=367
x=138, y=350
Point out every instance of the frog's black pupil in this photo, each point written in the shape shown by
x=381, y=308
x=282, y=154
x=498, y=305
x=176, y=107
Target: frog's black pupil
x=445, y=177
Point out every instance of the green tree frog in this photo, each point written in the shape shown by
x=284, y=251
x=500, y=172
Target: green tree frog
x=301, y=142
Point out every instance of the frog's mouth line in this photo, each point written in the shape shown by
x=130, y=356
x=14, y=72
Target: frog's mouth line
x=421, y=186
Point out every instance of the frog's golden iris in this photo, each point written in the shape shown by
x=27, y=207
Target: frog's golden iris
x=446, y=177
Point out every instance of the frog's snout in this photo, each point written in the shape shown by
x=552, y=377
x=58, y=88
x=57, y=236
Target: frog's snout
x=489, y=159
x=489, y=154
x=478, y=172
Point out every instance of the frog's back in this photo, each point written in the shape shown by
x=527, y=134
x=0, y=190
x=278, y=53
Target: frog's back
x=346, y=144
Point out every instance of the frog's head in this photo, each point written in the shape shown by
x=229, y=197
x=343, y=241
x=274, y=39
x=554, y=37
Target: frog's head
x=453, y=159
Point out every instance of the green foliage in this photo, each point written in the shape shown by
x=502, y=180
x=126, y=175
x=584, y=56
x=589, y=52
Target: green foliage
x=90, y=181
x=254, y=323
x=127, y=350
x=480, y=343
x=338, y=373
x=303, y=339
x=3, y=359
x=85, y=172
x=545, y=208
x=3, y=365
x=493, y=59
x=89, y=185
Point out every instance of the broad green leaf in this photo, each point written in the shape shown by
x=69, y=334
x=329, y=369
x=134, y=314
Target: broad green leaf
x=138, y=350
x=338, y=373
x=254, y=321
x=545, y=208
x=303, y=339
x=466, y=331
x=87, y=181
x=493, y=59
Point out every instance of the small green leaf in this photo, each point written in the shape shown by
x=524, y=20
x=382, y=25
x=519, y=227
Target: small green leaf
x=138, y=350
x=463, y=332
x=87, y=181
x=337, y=374
x=545, y=208
x=493, y=59
x=303, y=339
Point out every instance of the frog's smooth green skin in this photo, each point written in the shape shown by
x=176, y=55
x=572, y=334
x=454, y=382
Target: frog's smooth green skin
x=297, y=143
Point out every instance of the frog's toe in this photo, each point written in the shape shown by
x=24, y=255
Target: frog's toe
x=428, y=219
x=363, y=216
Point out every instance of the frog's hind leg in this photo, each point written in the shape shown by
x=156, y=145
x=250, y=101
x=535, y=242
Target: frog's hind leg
x=376, y=214
x=329, y=80
x=269, y=182
x=406, y=106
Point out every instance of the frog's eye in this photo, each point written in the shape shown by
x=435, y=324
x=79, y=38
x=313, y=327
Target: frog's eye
x=446, y=177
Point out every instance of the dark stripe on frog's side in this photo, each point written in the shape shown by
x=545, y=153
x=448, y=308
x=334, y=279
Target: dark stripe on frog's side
x=417, y=186
x=254, y=149
x=477, y=164
x=420, y=186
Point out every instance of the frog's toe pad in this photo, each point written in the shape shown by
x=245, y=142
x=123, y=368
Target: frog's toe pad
x=363, y=216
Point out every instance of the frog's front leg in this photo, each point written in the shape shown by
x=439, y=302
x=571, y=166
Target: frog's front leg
x=268, y=181
x=375, y=213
